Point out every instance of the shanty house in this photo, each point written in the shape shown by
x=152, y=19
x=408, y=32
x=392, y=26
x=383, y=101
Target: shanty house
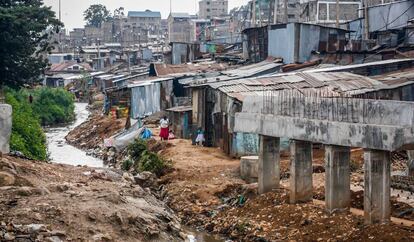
x=182, y=53
x=215, y=103
x=181, y=121
x=293, y=42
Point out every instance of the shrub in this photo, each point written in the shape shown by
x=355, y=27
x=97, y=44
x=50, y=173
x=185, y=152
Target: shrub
x=27, y=134
x=144, y=159
x=151, y=162
x=136, y=148
x=53, y=105
x=127, y=164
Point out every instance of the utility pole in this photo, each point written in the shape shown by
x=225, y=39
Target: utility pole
x=366, y=18
x=337, y=13
x=286, y=11
x=60, y=20
x=99, y=53
x=254, y=13
x=260, y=16
x=276, y=2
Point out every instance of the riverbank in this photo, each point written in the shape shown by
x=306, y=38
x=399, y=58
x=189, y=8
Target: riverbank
x=206, y=192
x=56, y=202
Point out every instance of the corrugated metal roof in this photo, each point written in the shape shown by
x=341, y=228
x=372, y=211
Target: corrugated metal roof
x=328, y=83
x=347, y=67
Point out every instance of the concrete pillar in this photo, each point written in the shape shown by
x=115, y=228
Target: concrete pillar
x=338, y=179
x=300, y=171
x=269, y=161
x=5, y=127
x=377, y=174
x=410, y=163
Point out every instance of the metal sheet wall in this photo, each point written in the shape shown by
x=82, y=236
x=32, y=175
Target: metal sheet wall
x=145, y=100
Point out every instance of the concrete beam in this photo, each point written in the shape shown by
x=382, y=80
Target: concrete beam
x=369, y=136
x=5, y=127
x=269, y=162
x=337, y=180
x=377, y=174
x=300, y=171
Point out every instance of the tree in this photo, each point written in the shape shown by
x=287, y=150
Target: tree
x=96, y=14
x=119, y=13
x=26, y=27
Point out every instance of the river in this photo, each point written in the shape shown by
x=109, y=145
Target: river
x=62, y=152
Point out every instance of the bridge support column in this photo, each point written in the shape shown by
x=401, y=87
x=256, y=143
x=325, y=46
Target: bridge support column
x=410, y=163
x=269, y=161
x=337, y=180
x=300, y=171
x=377, y=174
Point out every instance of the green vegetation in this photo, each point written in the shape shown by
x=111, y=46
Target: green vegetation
x=49, y=106
x=53, y=105
x=127, y=165
x=96, y=14
x=142, y=159
x=26, y=29
x=27, y=134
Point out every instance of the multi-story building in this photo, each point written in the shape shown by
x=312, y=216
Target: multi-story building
x=147, y=20
x=199, y=30
x=324, y=12
x=179, y=27
x=213, y=8
x=93, y=35
x=77, y=36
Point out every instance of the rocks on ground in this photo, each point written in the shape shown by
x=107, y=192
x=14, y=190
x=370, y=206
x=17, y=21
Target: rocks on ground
x=51, y=202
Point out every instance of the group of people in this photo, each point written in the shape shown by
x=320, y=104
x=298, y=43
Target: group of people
x=167, y=134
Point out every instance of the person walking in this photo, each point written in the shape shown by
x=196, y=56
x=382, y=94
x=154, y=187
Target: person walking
x=164, y=124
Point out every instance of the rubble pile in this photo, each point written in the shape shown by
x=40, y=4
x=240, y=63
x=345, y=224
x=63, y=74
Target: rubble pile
x=270, y=217
x=399, y=161
x=403, y=182
x=51, y=202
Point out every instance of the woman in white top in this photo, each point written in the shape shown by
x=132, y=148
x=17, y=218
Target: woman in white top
x=164, y=123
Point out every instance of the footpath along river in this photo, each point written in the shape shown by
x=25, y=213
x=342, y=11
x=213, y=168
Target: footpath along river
x=62, y=152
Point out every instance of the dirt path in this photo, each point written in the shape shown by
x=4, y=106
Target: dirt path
x=50, y=202
x=200, y=174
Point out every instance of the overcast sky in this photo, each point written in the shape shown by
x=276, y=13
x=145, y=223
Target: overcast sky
x=72, y=10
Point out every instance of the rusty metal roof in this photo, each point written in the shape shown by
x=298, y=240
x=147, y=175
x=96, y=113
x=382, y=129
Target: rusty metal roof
x=329, y=83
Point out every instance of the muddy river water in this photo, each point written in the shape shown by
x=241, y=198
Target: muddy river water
x=62, y=152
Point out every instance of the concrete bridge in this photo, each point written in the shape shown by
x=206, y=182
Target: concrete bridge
x=378, y=126
x=5, y=127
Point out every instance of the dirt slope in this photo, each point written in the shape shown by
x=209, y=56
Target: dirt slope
x=50, y=202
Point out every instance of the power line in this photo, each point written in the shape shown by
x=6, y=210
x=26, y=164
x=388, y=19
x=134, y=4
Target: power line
x=387, y=24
